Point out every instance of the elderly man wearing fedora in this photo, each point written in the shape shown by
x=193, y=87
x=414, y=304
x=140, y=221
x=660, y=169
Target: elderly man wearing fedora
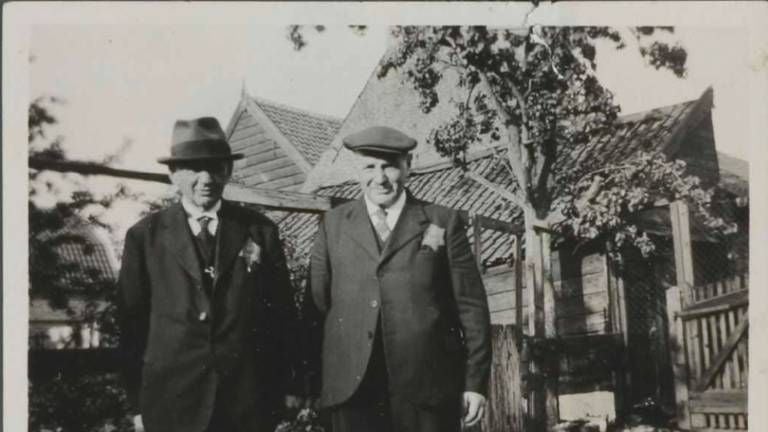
x=205, y=303
x=406, y=325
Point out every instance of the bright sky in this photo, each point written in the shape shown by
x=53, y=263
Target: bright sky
x=130, y=83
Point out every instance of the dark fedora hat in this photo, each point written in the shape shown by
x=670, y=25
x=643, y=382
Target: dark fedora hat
x=199, y=139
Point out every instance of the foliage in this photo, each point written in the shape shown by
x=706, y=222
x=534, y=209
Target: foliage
x=534, y=95
x=306, y=421
x=75, y=401
x=78, y=403
x=67, y=223
x=299, y=41
x=297, y=260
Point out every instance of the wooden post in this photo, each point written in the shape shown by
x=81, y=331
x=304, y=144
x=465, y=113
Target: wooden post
x=550, y=331
x=536, y=396
x=477, y=240
x=681, y=237
x=543, y=402
x=518, y=289
x=617, y=300
x=677, y=356
x=533, y=267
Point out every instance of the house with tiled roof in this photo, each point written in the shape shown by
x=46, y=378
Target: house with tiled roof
x=84, y=258
x=680, y=131
x=593, y=298
x=281, y=143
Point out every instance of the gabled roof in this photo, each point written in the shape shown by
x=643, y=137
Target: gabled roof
x=668, y=129
x=310, y=133
x=281, y=143
x=88, y=256
x=734, y=175
x=389, y=101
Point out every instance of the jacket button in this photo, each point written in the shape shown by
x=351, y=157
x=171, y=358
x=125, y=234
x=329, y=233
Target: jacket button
x=203, y=317
x=374, y=304
x=370, y=335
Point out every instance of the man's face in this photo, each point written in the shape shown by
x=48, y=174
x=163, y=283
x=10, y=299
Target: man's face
x=382, y=176
x=201, y=182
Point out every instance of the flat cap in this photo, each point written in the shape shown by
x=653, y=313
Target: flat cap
x=379, y=139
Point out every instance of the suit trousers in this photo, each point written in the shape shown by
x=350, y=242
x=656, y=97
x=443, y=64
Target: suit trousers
x=220, y=420
x=374, y=408
x=223, y=419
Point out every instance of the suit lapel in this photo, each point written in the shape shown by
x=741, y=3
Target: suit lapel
x=179, y=240
x=411, y=223
x=360, y=230
x=232, y=234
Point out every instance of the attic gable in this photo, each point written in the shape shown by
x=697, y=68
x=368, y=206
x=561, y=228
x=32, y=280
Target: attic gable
x=280, y=143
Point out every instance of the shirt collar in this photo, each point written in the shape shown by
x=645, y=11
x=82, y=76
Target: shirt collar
x=195, y=212
x=395, y=208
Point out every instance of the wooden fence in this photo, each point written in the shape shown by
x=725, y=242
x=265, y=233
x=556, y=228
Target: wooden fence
x=708, y=324
x=709, y=335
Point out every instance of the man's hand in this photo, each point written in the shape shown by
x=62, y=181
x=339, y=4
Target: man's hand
x=138, y=425
x=474, y=408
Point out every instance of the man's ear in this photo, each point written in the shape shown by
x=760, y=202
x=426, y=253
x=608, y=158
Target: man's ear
x=407, y=163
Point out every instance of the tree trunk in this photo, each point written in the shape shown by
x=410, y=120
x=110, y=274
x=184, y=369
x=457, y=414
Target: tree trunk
x=543, y=410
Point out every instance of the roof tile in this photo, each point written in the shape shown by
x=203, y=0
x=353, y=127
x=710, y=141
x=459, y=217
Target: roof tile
x=447, y=186
x=310, y=133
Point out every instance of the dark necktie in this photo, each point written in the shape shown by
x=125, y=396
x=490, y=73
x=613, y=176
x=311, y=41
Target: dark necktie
x=207, y=242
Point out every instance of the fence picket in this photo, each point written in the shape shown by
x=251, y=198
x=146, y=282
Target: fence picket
x=742, y=348
x=695, y=353
x=715, y=348
x=694, y=358
x=734, y=362
x=726, y=381
x=706, y=344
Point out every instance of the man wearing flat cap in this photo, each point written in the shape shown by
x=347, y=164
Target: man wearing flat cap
x=406, y=331
x=205, y=303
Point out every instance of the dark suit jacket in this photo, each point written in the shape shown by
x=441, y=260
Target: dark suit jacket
x=435, y=321
x=182, y=350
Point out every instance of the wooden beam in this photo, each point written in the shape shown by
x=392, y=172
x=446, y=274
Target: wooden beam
x=518, y=288
x=722, y=356
x=477, y=242
x=503, y=193
x=492, y=223
x=94, y=168
x=719, y=402
x=681, y=238
x=267, y=198
x=277, y=199
x=677, y=353
x=498, y=225
x=717, y=304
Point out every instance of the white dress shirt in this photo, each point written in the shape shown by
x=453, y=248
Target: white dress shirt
x=194, y=213
x=393, y=211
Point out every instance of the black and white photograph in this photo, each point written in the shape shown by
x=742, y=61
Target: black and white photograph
x=385, y=216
